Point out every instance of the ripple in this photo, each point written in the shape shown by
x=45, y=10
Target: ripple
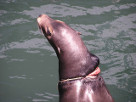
x=117, y=67
x=85, y=29
x=110, y=29
x=101, y=10
x=34, y=51
x=2, y=12
x=51, y=9
x=14, y=22
x=27, y=44
x=18, y=77
x=19, y=60
x=9, y=1
x=44, y=97
x=19, y=21
x=39, y=100
x=31, y=46
x=121, y=24
x=64, y=10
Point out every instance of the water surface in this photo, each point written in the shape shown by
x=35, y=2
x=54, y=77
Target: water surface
x=28, y=64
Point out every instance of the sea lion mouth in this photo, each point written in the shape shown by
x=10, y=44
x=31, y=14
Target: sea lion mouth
x=45, y=31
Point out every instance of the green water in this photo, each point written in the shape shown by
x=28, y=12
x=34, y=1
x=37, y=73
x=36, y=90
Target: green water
x=28, y=64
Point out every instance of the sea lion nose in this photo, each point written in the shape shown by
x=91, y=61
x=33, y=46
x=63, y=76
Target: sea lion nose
x=40, y=15
x=39, y=18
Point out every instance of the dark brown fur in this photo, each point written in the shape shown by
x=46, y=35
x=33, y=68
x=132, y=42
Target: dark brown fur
x=74, y=61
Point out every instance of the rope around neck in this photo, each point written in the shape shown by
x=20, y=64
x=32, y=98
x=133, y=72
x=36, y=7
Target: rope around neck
x=94, y=74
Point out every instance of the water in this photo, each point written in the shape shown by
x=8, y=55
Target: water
x=28, y=64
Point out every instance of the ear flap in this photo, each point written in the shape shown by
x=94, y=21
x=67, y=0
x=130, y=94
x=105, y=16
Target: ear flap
x=50, y=30
x=60, y=21
x=78, y=33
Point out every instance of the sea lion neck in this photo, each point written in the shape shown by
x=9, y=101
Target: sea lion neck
x=69, y=44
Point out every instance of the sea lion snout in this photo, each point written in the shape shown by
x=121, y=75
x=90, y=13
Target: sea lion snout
x=39, y=19
x=42, y=16
x=44, y=25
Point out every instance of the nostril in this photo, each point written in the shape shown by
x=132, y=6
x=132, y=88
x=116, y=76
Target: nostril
x=40, y=15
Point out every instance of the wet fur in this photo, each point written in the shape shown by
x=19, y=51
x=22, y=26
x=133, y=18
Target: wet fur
x=74, y=61
x=84, y=90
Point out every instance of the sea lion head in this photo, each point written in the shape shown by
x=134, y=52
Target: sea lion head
x=44, y=23
x=60, y=35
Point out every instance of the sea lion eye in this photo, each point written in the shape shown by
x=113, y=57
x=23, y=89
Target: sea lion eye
x=48, y=32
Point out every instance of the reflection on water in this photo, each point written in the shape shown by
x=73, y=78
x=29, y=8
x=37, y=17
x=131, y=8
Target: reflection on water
x=43, y=97
x=64, y=9
x=28, y=64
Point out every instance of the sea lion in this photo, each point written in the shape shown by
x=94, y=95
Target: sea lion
x=78, y=68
